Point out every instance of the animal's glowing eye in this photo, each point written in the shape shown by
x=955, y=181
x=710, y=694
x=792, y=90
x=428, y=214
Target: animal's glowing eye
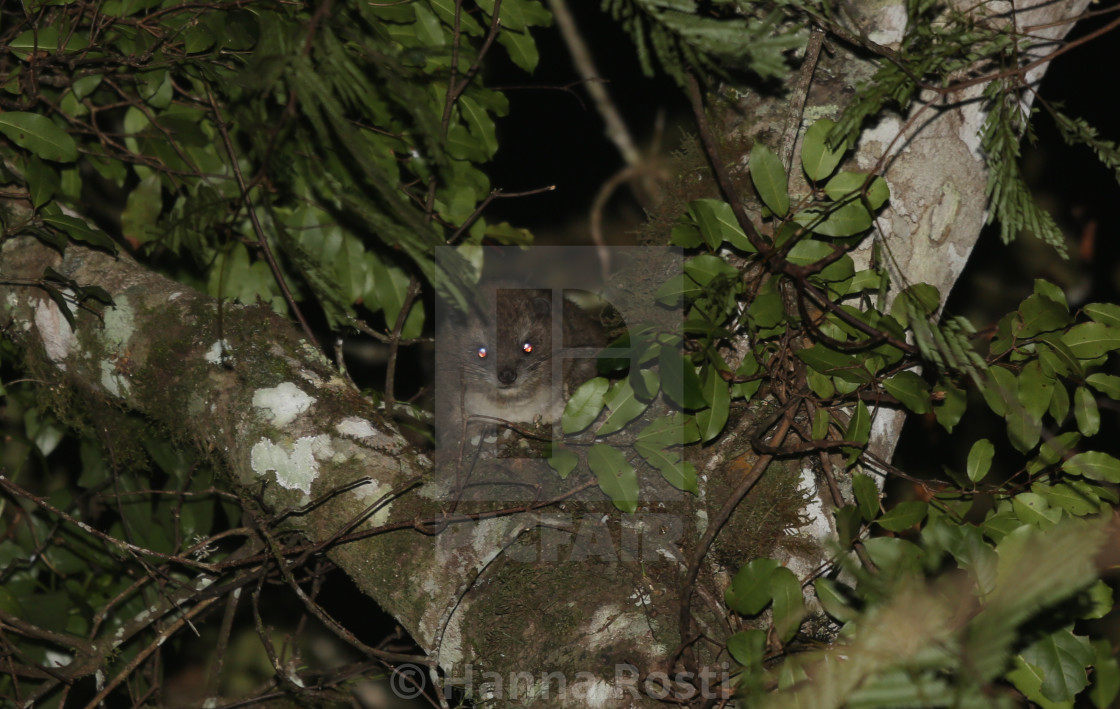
x=527, y=348
x=482, y=353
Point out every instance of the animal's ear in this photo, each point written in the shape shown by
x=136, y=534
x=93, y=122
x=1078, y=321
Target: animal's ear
x=542, y=307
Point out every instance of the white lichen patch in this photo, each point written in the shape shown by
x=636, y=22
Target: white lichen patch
x=220, y=348
x=120, y=323
x=375, y=492
x=113, y=381
x=355, y=427
x=890, y=25
x=283, y=403
x=295, y=466
x=358, y=428
x=53, y=658
x=174, y=295
x=54, y=330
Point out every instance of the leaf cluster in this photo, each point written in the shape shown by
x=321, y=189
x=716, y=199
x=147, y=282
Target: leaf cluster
x=829, y=365
x=292, y=156
x=755, y=36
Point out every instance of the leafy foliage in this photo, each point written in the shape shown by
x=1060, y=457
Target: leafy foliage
x=1042, y=372
x=304, y=156
x=681, y=37
x=1011, y=201
x=239, y=130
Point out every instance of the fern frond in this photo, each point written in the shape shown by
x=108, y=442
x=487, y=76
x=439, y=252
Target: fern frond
x=1012, y=203
x=684, y=37
x=1077, y=131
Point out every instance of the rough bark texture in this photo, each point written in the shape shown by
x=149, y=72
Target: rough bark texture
x=535, y=592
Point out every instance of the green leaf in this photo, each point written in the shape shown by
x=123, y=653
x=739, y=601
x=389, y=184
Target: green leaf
x=1056, y=358
x=748, y=647
x=807, y=251
x=867, y=495
x=1037, y=314
x=42, y=181
x=821, y=421
x=952, y=407
x=1027, y=678
x=678, y=473
x=704, y=268
x=848, y=524
x=980, y=459
x=903, y=516
x=480, y=123
x=521, y=48
x=1034, y=389
x=712, y=419
x=1091, y=340
x=1033, y=508
x=155, y=88
x=673, y=430
x=1000, y=390
x=911, y=390
x=869, y=279
x=1059, y=404
x=1023, y=430
x=769, y=178
x=1053, y=450
x=1106, y=675
x=1051, y=291
x=750, y=590
x=679, y=286
x=847, y=219
x=820, y=384
x=832, y=600
x=717, y=224
x=1062, y=657
x=39, y=135
x=1107, y=384
x=816, y=157
x=41, y=39
x=749, y=367
x=617, y=478
x=1075, y=497
x=1094, y=465
x=1106, y=313
x=80, y=231
x=679, y=380
x=563, y=461
x=685, y=234
x=767, y=310
x=846, y=183
x=624, y=404
x=920, y=298
x=1099, y=596
x=1085, y=411
x=837, y=364
x=859, y=428
x=789, y=604
x=584, y=405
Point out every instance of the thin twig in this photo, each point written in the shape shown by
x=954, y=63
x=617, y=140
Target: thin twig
x=716, y=524
x=798, y=97
x=262, y=240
